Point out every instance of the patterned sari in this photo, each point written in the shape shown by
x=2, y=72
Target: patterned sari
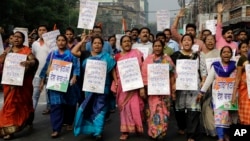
x=131, y=113
x=91, y=113
x=159, y=105
x=18, y=106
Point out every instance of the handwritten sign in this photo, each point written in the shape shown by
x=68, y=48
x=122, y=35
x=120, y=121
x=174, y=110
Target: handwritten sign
x=1, y=45
x=158, y=79
x=187, y=74
x=130, y=74
x=87, y=14
x=209, y=62
x=50, y=39
x=25, y=32
x=13, y=72
x=59, y=75
x=163, y=19
x=95, y=76
x=222, y=93
x=211, y=25
x=247, y=69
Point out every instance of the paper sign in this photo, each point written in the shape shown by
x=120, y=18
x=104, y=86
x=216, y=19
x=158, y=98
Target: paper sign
x=187, y=74
x=222, y=93
x=196, y=48
x=50, y=39
x=158, y=79
x=163, y=19
x=95, y=76
x=118, y=38
x=13, y=72
x=87, y=14
x=25, y=32
x=145, y=51
x=247, y=69
x=211, y=25
x=209, y=62
x=59, y=75
x=130, y=74
x=1, y=45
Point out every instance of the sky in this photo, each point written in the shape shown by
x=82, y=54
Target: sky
x=155, y=5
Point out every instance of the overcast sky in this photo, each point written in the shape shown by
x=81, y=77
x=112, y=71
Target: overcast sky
x=155, y=5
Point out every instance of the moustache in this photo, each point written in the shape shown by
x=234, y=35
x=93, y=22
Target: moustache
x=230, y=36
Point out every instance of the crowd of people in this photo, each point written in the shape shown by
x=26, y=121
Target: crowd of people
x=85, y=112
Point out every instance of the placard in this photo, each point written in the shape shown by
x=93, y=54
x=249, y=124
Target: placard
x=50, y=39
x=187, y=74
x=196, y=48
x=13, y=72
x=130, y=74
x=25, y=32
x=222, y=93
x=162, y=19
x=209, y=62
x=95, y=76
x=1, y=45
x=118, y=38
x=211, y=25
x=59, y=75
x=158, y=79
x=87, y=14
x=247, y=69
x=145, y=51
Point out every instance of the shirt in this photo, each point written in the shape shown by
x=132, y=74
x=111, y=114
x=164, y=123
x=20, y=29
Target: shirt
x=106, y=47
x=173, y=45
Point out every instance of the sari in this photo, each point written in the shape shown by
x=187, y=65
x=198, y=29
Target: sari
x=159, y=105
x=131, y=113
x=17, y=111
x=90, y=117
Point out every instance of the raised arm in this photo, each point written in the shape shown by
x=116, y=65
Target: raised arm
x=220, y=10
x=76, y=51
x=174, y=28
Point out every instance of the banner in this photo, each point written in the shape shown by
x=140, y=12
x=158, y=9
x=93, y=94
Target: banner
x=13, y=72
x=222, y=93
x=247, y=69
x=59, y=75
x=187, y=74
x=50, y=39
x=130, y=74
x=95, y=76
x=158, y=79
x=162, y=19
x=87, y=14
x=25, y=32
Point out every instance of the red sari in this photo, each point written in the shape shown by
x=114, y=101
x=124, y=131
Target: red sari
x=17, y=103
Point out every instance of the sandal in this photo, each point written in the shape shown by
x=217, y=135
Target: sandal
x=54, y=134
x=8, y=137
x=124, y=137
x=46, y=112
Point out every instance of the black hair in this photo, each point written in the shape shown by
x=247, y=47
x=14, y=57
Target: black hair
x=160, y=34
x=124, y=37
x=226, y=29
x=62, y=35
x=97, y=27
x=127, y=30
x=167, y=29
x=70, y=29
x=97, y=38
x=42, y=25
x=135, y=29
x=229, y=49
x=242, y=30
x=162, y=43
x=191, y=25
x=208, y=36
x=113, y=36
x=239, y=46
x=23, y=36
x=202, y=32
x=192, y=38
x=144, y=28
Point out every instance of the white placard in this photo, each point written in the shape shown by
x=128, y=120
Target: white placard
x=50, y=39
x=211, y=25
x=145, y=51
x=196, y=48
x=95, y=76
x=1, y=45
x=25, y=32
x=158, y=79
x=13, y=72
x=87, y=14
x=118, y=38
x=130, y=74
x=163, y=19
x=209, y=62
x=247, y=69
x=187, y=74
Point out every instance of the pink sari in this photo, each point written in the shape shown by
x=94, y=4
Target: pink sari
x=129, y=103
x=158, y=111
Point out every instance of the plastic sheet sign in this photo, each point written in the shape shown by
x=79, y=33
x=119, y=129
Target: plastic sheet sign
x=222, y=93
x=130, y=74
x=158, y=79
x=95, y=76
x=187, y=74
x=59, y=75
x=13, y=72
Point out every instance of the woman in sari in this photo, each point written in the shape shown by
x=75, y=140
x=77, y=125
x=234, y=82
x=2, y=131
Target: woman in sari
x=130, y=103
x=241, y=87
x=90, y=116
x=226, y=69
x=63, y=104
x=159, y=105
x=207, y=112
x=17, y=111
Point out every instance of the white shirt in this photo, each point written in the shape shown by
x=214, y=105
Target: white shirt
x=145, y=48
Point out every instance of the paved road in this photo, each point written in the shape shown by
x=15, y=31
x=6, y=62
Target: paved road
x=42, y=129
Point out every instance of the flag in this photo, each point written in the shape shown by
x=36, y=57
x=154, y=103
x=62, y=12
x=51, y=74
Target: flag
x=124, y=26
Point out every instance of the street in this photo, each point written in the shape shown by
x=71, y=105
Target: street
x=42, y=129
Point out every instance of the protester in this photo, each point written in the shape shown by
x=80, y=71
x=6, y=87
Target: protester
x=151, y=37
x=112, y=41
x=69, y=33
x=167, y=50
x=17, y=111
x=204, y=34
x=159, y=105
x=134, y=35
x=128, y=32
x=130, y=103
x=242, y=36
x=169, y=42
x=90, y=116
x=186, y=99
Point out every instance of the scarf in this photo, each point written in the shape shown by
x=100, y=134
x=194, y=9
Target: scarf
x=221, y=72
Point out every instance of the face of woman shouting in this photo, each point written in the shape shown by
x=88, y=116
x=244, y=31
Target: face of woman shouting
x=97, y=45
x=226, y=54
x=187, y=42
x=126, y=43
x=158, y=48
x=61, y=42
